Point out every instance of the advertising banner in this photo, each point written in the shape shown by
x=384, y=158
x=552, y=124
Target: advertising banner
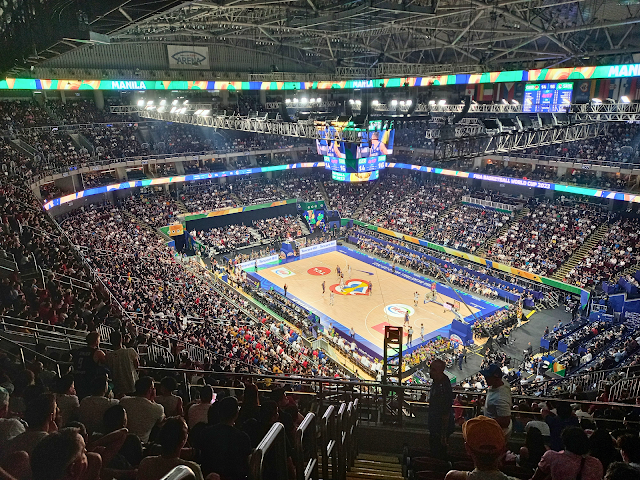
x=188, y=57
x=250, y=264
x=314, y=249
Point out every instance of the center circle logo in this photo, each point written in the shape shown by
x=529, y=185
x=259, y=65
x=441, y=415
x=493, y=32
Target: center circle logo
x=398, y=310
x=319, y=271
x=355, y=286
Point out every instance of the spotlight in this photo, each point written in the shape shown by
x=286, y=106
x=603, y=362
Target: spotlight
x=596, y=100
x=319, y=100
x=163, y=102
x=442, y=103
x=288, y=100
x=175, y=102
x=402, y=103
x=375, y=103
x=205, y=113
x=515, y=102
x=313, y=100
x=185, y=102
x=295, y=100
x=140, y=103
x=432, y=102
x=358, y=102
x=173, y=110
x=394, y=103
x=409, y=102
x=351, y=102
x=304, y=100
x=625, y=99
x=505, y=102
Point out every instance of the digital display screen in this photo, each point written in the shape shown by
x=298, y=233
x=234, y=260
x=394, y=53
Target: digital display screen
x=335, y=164
x=376, y=140
x=355, y=177
x=371, y=164
x=547, y=97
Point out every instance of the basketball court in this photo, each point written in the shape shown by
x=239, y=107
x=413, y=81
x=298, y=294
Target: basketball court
x=367, y=312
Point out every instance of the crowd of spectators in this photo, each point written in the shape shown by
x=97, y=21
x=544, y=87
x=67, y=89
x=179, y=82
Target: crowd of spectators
x=615, y=146
x=54, y=149
x=278, y=228
x=256, y=191
x=617, y=250
x=112, y=143
x=465, y=227
x=156, y=210
x=206, y=196
x=306, y=188
x=83, y=111
x=15, y=115
x=547, y=235
x=225, y=239
x=346, y=197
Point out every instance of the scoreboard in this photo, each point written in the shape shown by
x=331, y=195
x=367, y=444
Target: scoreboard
x=547, y=97
x=370, y=164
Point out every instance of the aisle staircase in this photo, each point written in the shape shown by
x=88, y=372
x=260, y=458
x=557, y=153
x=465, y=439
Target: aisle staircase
x=181, y=206
x=421, y=233
x=482, y=251
x=365, y=200
x=236, y=199
x=587, y=247
x=374, y=466
x=324, y=193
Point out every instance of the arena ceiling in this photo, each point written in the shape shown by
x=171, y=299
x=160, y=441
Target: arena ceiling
x=323, y=36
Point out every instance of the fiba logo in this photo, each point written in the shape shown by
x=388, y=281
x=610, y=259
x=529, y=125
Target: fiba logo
x=398, y=310
x=319, y=271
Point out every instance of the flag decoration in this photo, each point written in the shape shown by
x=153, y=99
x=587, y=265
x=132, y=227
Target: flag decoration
x=558, y=369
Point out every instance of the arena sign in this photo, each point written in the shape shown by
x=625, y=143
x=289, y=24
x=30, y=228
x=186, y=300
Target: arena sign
x=188, y=57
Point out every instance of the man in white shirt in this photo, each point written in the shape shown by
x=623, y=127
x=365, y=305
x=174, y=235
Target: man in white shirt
x=9, y=427
x=142, y=412
x=498, y=402
x=198, y=413
x=122, y=363
x=92, y=408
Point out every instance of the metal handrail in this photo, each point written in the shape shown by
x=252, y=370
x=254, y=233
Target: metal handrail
x=274, y=439
x=342, y=441
x=307, y=458
x=329, y=443
x=37, y=354
x=181, y=472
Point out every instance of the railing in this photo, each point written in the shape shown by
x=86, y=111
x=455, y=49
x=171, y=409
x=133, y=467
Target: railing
x=625, y=388
x=274, y=441
x=328, y=438
x=571, y=160
x=490, y=204
x=307, y=449
x=21, y=348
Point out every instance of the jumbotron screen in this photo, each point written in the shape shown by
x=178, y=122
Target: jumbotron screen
x=368, y=155
x=547, y=97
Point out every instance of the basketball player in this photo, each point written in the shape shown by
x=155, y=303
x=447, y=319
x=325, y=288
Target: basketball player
x=349, y=270
x=410, y=336
x=341, y=281
x=331, y=297
x=369, y=287
x=427, y=296
x=422, y=332
x=338, y=270
x=406, y=318
x=377, y=147
x=416, y=297
x=323, y=289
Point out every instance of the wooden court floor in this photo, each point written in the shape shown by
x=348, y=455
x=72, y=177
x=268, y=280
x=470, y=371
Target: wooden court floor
x=354, y=308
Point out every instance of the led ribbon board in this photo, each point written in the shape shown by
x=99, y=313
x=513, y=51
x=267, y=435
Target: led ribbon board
x=353, y=177
x=542, y=75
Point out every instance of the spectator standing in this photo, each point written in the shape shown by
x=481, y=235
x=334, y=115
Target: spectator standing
x=572, y=462
x=86, y=364
x=123, y=364
x=557, y=424
x=498, y=402
x=226, y=449
x=440, y=409
x=92, y=408
x=173, y=436
x=142, y=412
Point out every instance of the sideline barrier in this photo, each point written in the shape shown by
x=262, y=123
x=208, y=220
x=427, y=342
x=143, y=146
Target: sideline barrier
x=306, y=252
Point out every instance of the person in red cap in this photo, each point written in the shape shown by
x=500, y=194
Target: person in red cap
x=485, y=442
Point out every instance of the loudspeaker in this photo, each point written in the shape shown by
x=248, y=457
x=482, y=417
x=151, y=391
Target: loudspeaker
x=465, y=110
